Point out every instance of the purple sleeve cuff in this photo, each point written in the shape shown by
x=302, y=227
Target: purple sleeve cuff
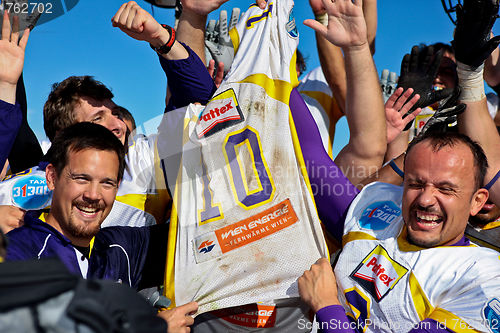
x=332, y=318
x=188, y=80
x=333, y=192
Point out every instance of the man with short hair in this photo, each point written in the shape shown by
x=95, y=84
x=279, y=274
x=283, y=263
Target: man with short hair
x=405, y=257
x=86, y=165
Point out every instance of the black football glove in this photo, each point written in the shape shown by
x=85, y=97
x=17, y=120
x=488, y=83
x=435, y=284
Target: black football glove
x=472, y=41
x=445, y=115
x=418, y=71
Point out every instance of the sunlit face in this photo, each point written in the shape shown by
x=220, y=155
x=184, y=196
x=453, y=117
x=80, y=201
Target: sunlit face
x=439, y=194
x=101, y=112
x=83, y=194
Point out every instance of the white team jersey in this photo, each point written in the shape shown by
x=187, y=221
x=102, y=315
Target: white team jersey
x=389, y=285
x=28, y=189
x=244, y=225
x=323, y=107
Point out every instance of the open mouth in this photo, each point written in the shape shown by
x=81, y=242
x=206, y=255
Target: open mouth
x=87, y=211
x=427, y=221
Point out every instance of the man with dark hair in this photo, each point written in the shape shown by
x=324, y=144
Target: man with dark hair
x=405, y=257
x=80, y=98
x=86, y=163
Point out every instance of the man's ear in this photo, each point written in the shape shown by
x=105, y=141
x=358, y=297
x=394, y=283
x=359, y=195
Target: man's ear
x=478, y=200
x=51, y=176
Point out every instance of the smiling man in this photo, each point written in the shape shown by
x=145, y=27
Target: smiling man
x=418, y=272
x=443, y=176
x=84, y=191
x=86, y=165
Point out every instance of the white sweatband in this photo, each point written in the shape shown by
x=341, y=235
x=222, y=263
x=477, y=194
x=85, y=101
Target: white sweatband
x=322, y=18
x=471, y=82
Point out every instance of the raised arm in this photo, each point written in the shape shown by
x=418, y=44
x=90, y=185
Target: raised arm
x=472, y=47
x=11, y=66
x=367, y=143
x=191, y=28
x=181, y=64
x=330, y=58
x=140, y=25
x=330, y=55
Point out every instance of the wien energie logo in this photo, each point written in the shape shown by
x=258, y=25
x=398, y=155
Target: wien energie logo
x=206, y=246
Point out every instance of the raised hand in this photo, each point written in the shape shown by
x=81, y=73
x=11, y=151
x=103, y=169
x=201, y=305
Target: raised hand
x=446, y=113
x=472, y=41
x=418, y=71
x=388, y=82
x=217, y=39
x=346, y=24
x=396, y=112
x=137, y=23
x=261, y=3
x=11, y=57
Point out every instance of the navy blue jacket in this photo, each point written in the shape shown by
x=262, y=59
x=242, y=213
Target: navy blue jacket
x=132, y=256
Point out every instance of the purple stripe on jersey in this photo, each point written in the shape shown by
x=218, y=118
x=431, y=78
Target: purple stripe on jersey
x=333, y=192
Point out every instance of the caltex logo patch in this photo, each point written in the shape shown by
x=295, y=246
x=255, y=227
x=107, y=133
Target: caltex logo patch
x=220, y=113
x=378, y=273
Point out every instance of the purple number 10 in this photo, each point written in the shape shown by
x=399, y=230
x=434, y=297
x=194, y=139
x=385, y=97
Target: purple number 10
x=263, y=189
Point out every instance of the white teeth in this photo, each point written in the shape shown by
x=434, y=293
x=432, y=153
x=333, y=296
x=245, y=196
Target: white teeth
x=429, y=218
x=88, y=210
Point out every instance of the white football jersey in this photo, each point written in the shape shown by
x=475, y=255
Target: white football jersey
x=244, y=226
x=137, y=191
x=389, y=285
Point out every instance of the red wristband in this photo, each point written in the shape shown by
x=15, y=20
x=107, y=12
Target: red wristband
x=165, y=48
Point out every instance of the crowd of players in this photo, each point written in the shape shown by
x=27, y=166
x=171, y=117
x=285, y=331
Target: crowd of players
x=406, y=259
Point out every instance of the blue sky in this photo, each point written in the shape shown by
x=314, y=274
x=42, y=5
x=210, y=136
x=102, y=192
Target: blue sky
x=83, y=42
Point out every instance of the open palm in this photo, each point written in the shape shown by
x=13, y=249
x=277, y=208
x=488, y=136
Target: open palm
x=11, y=52
x=346, y=23
x=396, y=112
